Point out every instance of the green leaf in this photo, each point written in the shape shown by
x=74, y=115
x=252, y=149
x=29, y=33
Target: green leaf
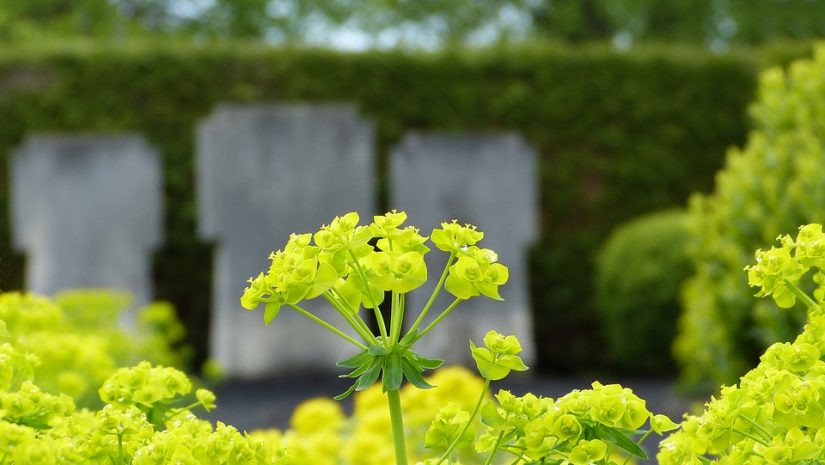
x=370, y=375
x=424, y=362
x=393, y=374
x=413, y=375
x=271, y=311
x=618, y=438
x=4, y=332
x=409, y=338
x=378, y=349
x=356, y=360
x=346, y=393
x=358, y=371
x=513, y=362
x=490, y=415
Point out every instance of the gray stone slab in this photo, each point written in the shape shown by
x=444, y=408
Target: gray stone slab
x=87, y=212
x=486, y=180
x=263, y=172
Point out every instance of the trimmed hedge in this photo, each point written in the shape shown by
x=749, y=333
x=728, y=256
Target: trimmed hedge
x=619, y=135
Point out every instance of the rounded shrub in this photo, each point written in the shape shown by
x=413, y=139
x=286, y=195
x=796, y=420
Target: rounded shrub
x=639, y=271
x=767, y=188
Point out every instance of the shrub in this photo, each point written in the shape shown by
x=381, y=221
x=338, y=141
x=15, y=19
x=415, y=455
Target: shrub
x=766, y=188
x=77, y=342
x=639, y=271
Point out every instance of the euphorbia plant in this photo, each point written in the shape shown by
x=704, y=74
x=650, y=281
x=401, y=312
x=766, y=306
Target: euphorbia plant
x=340, y=264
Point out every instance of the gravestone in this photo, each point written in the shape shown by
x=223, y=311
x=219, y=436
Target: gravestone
x=486, y=180
x=263, y=172
x=87, y=212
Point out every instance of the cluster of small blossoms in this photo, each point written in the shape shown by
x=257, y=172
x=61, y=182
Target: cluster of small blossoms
x=338, y=262
x=776, y=414
x=78, y=343
x=579, y=428
x=777, y=271
x=145, y=423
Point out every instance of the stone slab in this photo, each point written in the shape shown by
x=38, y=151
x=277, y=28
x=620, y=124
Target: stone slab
x=87, y=212
x=482, y=179
x=263, y=172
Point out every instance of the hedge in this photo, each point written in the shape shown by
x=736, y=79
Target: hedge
x=619, y=134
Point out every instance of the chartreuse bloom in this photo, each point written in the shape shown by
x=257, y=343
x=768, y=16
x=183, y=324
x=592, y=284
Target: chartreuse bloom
x=776, y=413
x=498, y=356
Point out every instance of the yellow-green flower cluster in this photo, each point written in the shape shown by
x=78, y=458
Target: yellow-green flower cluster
x=776, y=413
x=144, y=422
x=498, y=357
x=339, y=259
x=78, y=343
x=576, y=428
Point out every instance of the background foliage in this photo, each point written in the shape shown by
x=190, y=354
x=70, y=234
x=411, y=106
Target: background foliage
x=639, y=271
x=768, y=187
x=423, y=23
x=600, y=120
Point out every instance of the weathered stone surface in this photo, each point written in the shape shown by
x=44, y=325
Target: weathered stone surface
x=486, y=180
x=87, y=212
x=264, y=172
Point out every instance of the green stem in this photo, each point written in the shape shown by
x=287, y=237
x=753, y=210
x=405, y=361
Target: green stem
x=356, y=316
x=495, y=449
x=434, y=294
x=438, y=319
x=378, y=316
x=397, y=317
x=346, y=315
x=638, y=443
x=397, y=427
x=748, y=435
x=328, y=326
x=466, y=425
x=755, y=425
x=520, y=458
x=120, y=448
x=801, y=295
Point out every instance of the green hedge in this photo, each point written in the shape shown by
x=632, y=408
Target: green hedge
x=619, y=135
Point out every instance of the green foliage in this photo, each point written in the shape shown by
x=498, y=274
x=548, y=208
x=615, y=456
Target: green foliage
x=716, y=24
x=639, y=272
x=767, y=188
x=775, y=414
x=75, y=341
x=423, y=23
x=598, y=119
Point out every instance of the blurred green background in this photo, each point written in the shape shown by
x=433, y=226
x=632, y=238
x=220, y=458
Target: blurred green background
x=630, y=104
